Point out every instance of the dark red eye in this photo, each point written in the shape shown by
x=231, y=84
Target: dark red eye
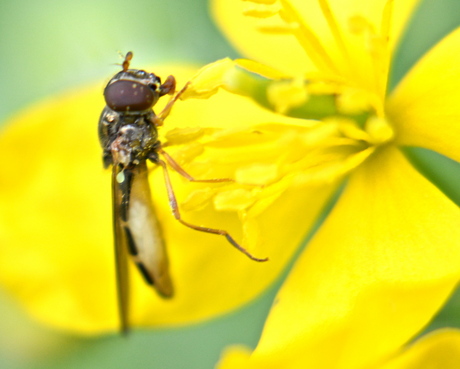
x=125, y=95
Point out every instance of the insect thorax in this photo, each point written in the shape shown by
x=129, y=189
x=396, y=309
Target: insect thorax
x=127, y=138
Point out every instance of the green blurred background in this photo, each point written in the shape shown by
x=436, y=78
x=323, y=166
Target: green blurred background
x=48, y=46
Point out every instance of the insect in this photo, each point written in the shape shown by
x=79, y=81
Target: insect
x=129, y=138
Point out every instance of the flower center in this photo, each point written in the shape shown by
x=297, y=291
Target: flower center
x=277, y=156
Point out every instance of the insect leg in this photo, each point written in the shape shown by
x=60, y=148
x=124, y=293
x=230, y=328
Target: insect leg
x=169, y=87
x=158, y=120
x=176, y=213
x=184, y=174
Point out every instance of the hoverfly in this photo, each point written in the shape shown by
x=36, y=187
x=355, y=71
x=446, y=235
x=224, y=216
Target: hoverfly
x=129, y=138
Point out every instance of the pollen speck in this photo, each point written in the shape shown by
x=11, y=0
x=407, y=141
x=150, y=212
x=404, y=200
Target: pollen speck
x=120, y=177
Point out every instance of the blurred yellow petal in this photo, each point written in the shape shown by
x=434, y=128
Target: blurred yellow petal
x=374, y=275
x=242, y=32
x=437, y=350
x=346, y=38
x=235, y=357
x=287, y=94
x=425, y=106
x=56, y=252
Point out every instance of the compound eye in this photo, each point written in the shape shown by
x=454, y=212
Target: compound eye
x=126, y=95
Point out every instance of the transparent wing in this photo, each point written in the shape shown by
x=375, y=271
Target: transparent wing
x=144, y=236
x=137, y=233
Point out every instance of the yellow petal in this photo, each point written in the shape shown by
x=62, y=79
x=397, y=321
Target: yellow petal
x=208, y=79
x=287, y=94
x=425, y=106
x=333, y=41
x=437, y=350
x=56, y=255
x=56, y=251
x=373, y=276
x=279, y=51
x=235, y=200
x=257, y=174
x=259, y=68
x=235, y=357
x=183, y=135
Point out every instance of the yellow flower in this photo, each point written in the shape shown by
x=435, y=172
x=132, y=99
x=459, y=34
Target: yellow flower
x=387, y=256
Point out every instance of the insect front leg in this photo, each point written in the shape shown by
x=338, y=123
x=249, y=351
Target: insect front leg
x=177, y=215
x=169, y=87
x=158, y=120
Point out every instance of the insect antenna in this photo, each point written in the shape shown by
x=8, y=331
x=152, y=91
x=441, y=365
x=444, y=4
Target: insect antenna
x=128, y=57
x=126, y=60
